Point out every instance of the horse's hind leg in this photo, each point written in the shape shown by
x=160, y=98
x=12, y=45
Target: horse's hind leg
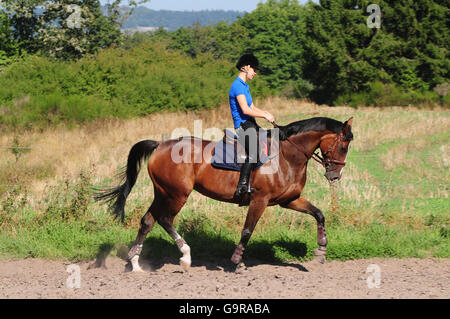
x=163, y=210
x=164, y=213
x=167, y=223
x=147, y=223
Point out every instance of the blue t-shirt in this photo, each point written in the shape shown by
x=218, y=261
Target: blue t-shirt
x=237, y=88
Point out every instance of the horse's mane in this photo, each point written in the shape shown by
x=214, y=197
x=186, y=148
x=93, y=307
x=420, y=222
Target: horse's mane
x=313, y=124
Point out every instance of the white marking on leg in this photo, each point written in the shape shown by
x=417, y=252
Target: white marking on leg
x=185, y=261
x=135, y=264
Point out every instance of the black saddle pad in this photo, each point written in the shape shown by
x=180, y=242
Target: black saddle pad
x=226, y=156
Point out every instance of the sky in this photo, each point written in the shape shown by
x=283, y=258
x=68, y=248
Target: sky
x=196, y=5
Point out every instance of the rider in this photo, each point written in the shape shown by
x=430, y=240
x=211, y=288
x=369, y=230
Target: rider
x=244, y=112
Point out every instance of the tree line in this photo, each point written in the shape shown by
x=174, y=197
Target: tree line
x=333, y=52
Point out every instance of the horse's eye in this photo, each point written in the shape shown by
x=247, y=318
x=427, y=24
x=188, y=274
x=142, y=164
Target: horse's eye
x=343, y=150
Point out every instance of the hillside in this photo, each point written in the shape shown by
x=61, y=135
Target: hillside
x=172, y=20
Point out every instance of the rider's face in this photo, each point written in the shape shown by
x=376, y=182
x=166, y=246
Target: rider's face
x=251, y=73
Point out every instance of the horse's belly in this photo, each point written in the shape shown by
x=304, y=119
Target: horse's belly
x=217, y=184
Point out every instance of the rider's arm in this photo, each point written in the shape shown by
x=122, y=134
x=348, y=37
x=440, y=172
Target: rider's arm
x=253, y=111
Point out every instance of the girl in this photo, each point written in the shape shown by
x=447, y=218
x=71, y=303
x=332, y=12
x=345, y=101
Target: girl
x=244, y=112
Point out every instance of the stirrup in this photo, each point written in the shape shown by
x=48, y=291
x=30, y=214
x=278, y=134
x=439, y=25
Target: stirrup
x=240, y=191
x=250, y=189
x=244, y=197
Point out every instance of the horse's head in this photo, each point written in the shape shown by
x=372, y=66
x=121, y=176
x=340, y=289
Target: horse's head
x=334, y=148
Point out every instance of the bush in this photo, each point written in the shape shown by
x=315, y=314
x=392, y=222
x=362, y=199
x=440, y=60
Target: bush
x=380, y=94
x=146, y=79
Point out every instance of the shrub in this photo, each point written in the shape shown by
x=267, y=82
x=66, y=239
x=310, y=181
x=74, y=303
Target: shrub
x=146, y=79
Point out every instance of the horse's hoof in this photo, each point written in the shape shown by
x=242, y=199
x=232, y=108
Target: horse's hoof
x=135, y=264
x=137, y=270
x=321, y=259
x=320, y=254
x=185, y=262
x=240, y=268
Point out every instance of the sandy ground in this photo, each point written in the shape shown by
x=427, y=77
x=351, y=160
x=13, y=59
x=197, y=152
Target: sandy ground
x=396, y=278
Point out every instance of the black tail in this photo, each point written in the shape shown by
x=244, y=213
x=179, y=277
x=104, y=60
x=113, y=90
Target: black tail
x=117, y=196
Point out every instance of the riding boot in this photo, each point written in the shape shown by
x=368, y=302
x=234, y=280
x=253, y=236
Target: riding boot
x=243, y=189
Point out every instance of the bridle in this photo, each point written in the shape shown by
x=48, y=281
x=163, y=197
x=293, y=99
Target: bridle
x=331, y=148
x=322, y=160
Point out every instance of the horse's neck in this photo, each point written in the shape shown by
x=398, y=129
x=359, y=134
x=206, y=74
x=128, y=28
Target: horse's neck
x=308, y=142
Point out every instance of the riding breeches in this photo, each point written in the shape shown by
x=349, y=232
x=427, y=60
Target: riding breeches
x=248, y=137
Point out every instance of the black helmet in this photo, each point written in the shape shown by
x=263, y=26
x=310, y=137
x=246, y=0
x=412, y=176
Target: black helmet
x=248, y=59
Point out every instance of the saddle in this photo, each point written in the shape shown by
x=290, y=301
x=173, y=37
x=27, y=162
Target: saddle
x=229, y=154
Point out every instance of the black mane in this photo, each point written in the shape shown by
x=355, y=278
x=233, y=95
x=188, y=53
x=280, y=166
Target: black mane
x=312, y=124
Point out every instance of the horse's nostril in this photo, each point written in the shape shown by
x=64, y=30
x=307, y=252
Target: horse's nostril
x=334, y=179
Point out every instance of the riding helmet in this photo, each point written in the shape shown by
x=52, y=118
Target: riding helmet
x=248, y=59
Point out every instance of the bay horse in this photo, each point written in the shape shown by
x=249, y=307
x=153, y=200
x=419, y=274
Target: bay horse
x=174, y=181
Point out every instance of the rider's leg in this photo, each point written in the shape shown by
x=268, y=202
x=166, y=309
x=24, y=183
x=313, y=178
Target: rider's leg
x=248, y=137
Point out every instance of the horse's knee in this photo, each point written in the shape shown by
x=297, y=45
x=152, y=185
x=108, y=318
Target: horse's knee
x=318, y=215
x=321, y=219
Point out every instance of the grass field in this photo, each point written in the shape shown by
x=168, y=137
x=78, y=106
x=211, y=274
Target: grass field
x=393, y=199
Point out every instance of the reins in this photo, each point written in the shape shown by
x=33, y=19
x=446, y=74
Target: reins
x=315, y=156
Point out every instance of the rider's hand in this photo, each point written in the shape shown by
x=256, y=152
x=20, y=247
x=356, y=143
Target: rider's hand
x=269, y=117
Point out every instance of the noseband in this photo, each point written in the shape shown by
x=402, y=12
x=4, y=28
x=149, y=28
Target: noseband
x=324, y=160
x=315, y=156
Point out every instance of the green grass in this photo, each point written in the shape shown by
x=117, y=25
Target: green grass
x=86, y=238
x=72, y=227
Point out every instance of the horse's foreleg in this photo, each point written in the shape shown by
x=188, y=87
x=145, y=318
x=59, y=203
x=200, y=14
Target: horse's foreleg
x=304, y=206
x=147, y=223
x=254, y=213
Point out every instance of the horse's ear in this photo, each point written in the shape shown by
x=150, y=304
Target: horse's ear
x=350, y=121
x=347, y=128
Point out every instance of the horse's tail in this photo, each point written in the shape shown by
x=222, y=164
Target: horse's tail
x=117, y=196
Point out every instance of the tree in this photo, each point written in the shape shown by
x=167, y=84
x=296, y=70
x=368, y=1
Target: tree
x=343, y=55
x=274, y=30
x=21, y=19
x=8, y=47
x=65, y=29
x=71, y=29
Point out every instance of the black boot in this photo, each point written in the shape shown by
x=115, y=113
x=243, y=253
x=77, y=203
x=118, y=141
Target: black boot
x=243, y=189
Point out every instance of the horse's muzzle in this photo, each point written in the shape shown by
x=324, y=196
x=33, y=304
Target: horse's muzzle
x=332, y=176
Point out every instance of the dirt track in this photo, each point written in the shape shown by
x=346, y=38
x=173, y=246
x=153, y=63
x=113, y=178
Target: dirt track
x=399, y=278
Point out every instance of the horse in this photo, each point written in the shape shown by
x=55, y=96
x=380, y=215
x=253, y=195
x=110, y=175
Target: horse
x=173, y=181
